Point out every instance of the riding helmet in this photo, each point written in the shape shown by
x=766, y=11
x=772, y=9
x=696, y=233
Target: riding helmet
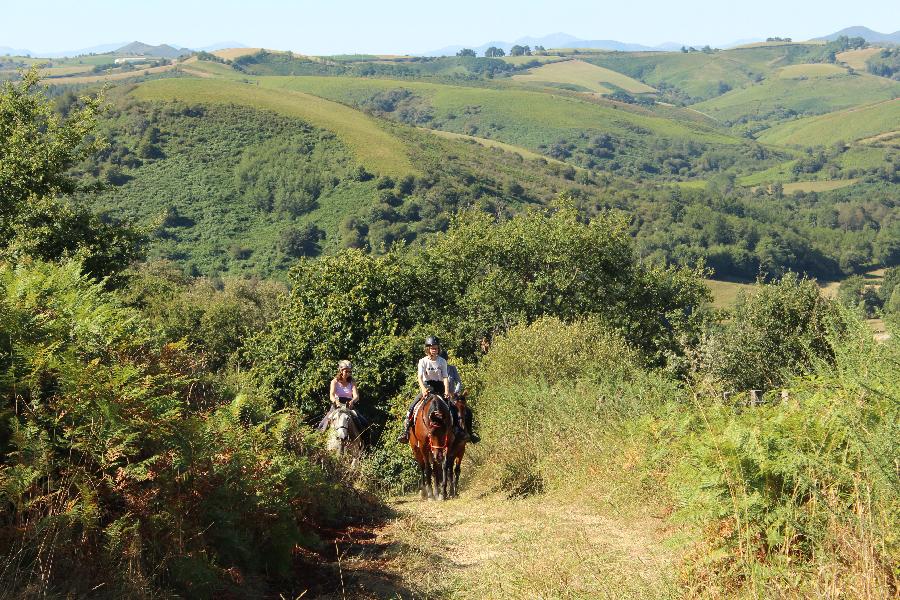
x=432, y=340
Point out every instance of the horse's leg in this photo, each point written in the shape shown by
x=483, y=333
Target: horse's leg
x=438, y=480
x=456, y=469
x=423, y=480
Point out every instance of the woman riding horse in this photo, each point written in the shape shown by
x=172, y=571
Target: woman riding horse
x=343, y=393
x=433, y=375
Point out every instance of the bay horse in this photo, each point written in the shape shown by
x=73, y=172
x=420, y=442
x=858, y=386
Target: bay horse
x=458, y=448
x=431, y=438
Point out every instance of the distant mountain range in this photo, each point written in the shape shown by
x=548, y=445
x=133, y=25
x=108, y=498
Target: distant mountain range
x=865, y=33
x=138, y=48
x=556, y=40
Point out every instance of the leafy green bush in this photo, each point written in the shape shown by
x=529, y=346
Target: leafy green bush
x=124, y=465
x=799, y=494
x=775, y=331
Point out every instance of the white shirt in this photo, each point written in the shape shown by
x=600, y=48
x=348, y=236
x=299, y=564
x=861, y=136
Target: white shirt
x=432, y=370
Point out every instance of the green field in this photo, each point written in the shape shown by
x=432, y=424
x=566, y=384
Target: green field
x=583, y=75
x=825, y=185
x=524, y=60
x=702, y=75
x=372, y=145
x=810, y=71
x=771, y=98
x=847, y=125
x=518, y=117
x=856, y=59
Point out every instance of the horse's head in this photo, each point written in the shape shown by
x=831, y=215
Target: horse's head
x=342, y=424
x=440, y=426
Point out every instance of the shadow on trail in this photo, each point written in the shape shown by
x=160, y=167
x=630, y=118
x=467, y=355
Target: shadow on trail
x=350, y=563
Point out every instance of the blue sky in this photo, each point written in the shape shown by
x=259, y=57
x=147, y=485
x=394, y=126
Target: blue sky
x=344, y=26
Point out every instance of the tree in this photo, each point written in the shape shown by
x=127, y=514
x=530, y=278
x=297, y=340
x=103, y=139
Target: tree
x=37, y=148
x=520, y=51
x=466, y=52
x=494, y=52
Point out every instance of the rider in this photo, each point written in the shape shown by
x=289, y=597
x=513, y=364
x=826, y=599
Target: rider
x=343, y=392
x=432, y=375
x=456, y=387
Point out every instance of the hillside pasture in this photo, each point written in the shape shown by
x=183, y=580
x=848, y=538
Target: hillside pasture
x=233, y=53
x=514, y=116
x=523, y=152
x=703, y=75
x=810, y=71
x=824, y=185
x=856, y=59
x=770, y=99
x=374, y=147
x=524, y=60
x=585, y=75
x=116, y=76
x=847, y=125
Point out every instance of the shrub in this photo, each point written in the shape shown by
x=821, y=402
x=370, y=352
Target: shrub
x=775, y=331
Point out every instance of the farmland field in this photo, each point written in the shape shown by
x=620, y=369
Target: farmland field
x=857, y=58
x=519, y=117
x=824, y=185
x=584, y=75
x=810, y=70
x=847, y=125
x=372, y=145
x=814, y=95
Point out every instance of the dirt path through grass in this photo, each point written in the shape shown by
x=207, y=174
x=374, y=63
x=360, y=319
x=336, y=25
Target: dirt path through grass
x=486, y=546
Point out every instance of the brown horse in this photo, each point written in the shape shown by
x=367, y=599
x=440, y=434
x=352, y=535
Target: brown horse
x=457, y=449
x=431, y=439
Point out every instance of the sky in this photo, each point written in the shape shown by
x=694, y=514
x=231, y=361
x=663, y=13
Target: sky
x=417, y=26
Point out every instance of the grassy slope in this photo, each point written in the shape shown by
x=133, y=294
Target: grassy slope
x=582, y=74
x=814, y=95
x=518, y=117
x=848, y=125
x=377, y=149
x=857, y=58
x=697, y=73
x=810, y=71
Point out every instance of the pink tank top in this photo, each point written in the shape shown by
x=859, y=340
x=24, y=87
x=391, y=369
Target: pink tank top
x=343, y=390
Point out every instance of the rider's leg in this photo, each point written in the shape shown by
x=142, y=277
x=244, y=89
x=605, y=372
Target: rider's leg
x=407, y=421
x=473, y=437
x=458, y=430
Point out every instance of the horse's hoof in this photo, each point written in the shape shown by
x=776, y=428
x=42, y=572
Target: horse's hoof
x=423, y=495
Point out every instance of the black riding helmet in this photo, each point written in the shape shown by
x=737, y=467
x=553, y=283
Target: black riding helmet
x=432, y=340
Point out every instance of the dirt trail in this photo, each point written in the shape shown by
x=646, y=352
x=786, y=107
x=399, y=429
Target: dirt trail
x=486, y=546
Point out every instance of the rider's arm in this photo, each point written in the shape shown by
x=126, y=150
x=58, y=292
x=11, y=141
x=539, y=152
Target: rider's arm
x=421, y=378
x=355, y=394
x=446, y=387
x=332, y=395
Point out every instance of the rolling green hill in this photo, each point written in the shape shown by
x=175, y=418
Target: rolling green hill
x=799, y=89
x=582, y=76
x=847, y=125
x=702, y=75
x=372, y=145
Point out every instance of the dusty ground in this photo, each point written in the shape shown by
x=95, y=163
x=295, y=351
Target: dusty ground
x=483, y=545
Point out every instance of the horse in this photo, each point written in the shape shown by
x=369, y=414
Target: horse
x=457, y=449
x=431, y=438
x=344, y=437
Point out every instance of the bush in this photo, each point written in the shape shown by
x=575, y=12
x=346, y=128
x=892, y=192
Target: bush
x=124, y=466
x=775, y=331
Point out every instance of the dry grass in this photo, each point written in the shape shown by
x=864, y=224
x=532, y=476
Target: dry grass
x=857, y=58
x=483, y=545
x=585, y=75
x=233, y=53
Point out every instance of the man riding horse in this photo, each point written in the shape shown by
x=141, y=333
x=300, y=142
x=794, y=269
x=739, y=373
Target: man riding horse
x=434, y=376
